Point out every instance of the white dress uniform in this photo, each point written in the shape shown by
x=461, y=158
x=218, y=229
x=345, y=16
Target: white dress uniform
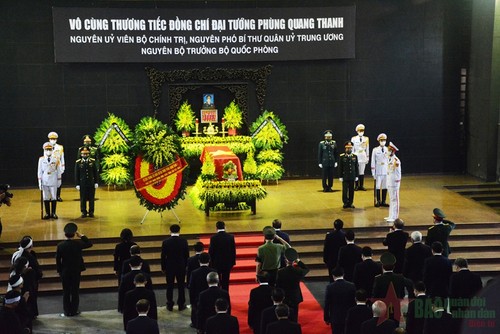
x=59, y=154
x=361, y=148
x=393, y=184
x=49, y=176
x=380, y=160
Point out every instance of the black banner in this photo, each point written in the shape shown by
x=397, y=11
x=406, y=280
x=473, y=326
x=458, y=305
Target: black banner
x=202, y=35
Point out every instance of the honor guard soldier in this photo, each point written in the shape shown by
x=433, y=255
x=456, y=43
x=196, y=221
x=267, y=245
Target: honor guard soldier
x=393, y=183
x=58, y=152
x=348, y=171
x=94, y=151
x=49, y=179
x=327, y=160
x=380, y=159
x=86, y=181
x=361, y=147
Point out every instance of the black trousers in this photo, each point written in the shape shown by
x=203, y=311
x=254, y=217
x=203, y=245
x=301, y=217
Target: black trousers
x=348, y=192
x=87, y=194
x=71, y=292
x=224, y=276
x=180, y=277
x=327, y=176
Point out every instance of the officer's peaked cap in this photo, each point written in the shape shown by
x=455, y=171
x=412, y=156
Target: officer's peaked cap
x=360, y=127
x=328, y=133
x=53, y=135
x=47, y=146
x=381, y=136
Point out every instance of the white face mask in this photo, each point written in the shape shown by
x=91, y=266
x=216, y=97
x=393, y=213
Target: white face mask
x=382, y=143
x=361, y=133
x=48, y=153
x=53, y=141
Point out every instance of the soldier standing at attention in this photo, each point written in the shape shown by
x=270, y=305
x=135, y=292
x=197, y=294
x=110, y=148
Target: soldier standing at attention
x=58, y=152
x=87, y=142
x=327, y=155
x=380, y=159
x=361, y=148
x=348, y=172
x=49, y=179
x=86, y=181
x=393, y=183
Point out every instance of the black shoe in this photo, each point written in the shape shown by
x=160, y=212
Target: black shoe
x=91, y=215
x=182, y=307
x=47, y=216
x=325, y=190
x=362, y=188
x=192, y=325
x=170, y=308
x=54, y=216
x=59, y=199
x=84, y=215
x=352, y=206
x=345, y=206
x=385, y=205
x=377, y=204
x=329, y=190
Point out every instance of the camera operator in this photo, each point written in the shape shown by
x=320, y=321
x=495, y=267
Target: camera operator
x=5, y=198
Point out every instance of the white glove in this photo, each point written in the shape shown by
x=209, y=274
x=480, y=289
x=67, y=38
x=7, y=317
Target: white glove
x=96, y=185
x=356, y=179
x=320, y=166
x=341, y=179
x=336, y=164
x=77, y=187
x=58, y=183
x=40, y=184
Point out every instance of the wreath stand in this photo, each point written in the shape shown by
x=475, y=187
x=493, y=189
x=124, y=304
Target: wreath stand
x=161, y=216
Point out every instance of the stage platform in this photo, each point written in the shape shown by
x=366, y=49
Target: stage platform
x=300, y=204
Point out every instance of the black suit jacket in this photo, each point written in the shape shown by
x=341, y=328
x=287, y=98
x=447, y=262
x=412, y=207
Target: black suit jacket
x=131, y=299
x=371, y=326
x=396, y=244
x=288, y=279
x=415, y=316
x=192, y=264
x=268, y=316
x=339, y=298
x=142, y=325
x=222, y=323
x=364, y=275
x=440, y=323
x=349, y=255
x=415, y=256
x=222, y=251
x=333, y=242
x=69, y=255
x=283, y=326
x=127, y=284
x=122, y=253
x=174, y=255
x=126, y=267
x=198, y=283
x=437, y=272
x=356, y=315
x=465, y=284
x=206, y=304
x=382, y=283
x=260, y=299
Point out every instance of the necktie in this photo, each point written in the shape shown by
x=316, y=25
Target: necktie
x=48, y=159
x=382, y=149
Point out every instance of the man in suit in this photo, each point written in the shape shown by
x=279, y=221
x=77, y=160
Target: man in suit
x=142, y=324
x=440, y=231
x=441, y=322
x=269, y=315
x=417, y=309
x=327, y=160
x=135, y=250
x=333, y=242
x=415, y=256
x=283, y=235
x=193, y=262
x=206, y=301
x=396, y=241
x=366, y=271
x=127, y=282
x=348, y=174
x=70, y=264
x=356, y=315
x=260, y=299
x=222, y=322
x=437, y=272
x=374, y=325
x=283, y=325
x=339, y=298
x=222, y=253
x=289, y=279
x=349, y=255
x=86, y=178
x=174, y=255
x=198, y=283
x=133, y=296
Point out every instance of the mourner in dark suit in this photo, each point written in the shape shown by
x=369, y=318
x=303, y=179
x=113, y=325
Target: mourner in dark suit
x=348, y=174
x=222, y=253
x=396, y=241
x=277, y=227
x=86, y=179
x=349, y=255
x=206, y=301
x=135, y=250
x=133, y=296
x=174, y=255
x=417, y=308
x=122, y=252
x=365, y=272
x=70, y=264
x=222, y=322
x=373, y=326
x=356, y=315
x=339, y=298
x=415, y=256
x=333, y=242
x=437, y=272
x=260, y=299
x=193, y=262
x=268, y=314
x=142, y=324
x=283, y=325
x=289, y=279
x=464, y=283
x=128, y=280
x=441, y=322
x=9, y=320
x=440, y=231
x=327, y=160
x=198, y=283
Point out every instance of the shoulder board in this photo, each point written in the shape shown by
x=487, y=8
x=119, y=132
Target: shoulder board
x=78, y=160
x=343, y=154
x=431, y=227
x=91, y=159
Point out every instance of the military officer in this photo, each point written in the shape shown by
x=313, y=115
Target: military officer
x=86, y=181
x=393, y=183
x=94, y=152
x=440, y=231
x=58, y=152
x=348, y=172
x=380, y=159
x=361, y=148
x=327, y=160
x=49, y=179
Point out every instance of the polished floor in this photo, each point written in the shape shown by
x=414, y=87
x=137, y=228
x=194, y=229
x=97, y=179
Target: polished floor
x=300, y=204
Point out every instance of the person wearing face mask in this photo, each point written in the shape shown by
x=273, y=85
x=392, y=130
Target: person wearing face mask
x=327, y=160
x=86, y=178
x=393, y=183
x=94, y=152
x=58, y=152
x=380, y=159
x=361, y=148
x=49, y=179
x=348, y=172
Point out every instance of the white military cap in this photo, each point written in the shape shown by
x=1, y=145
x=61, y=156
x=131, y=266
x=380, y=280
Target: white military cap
x=393, y=147
x=47, y=146
x=53, y=135
x=360, y=127
x=381, y=136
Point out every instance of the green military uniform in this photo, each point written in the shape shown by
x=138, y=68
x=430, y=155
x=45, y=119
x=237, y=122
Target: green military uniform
x=86, y=179
x=327, y=160
x=348, y=173
x=440, y=231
